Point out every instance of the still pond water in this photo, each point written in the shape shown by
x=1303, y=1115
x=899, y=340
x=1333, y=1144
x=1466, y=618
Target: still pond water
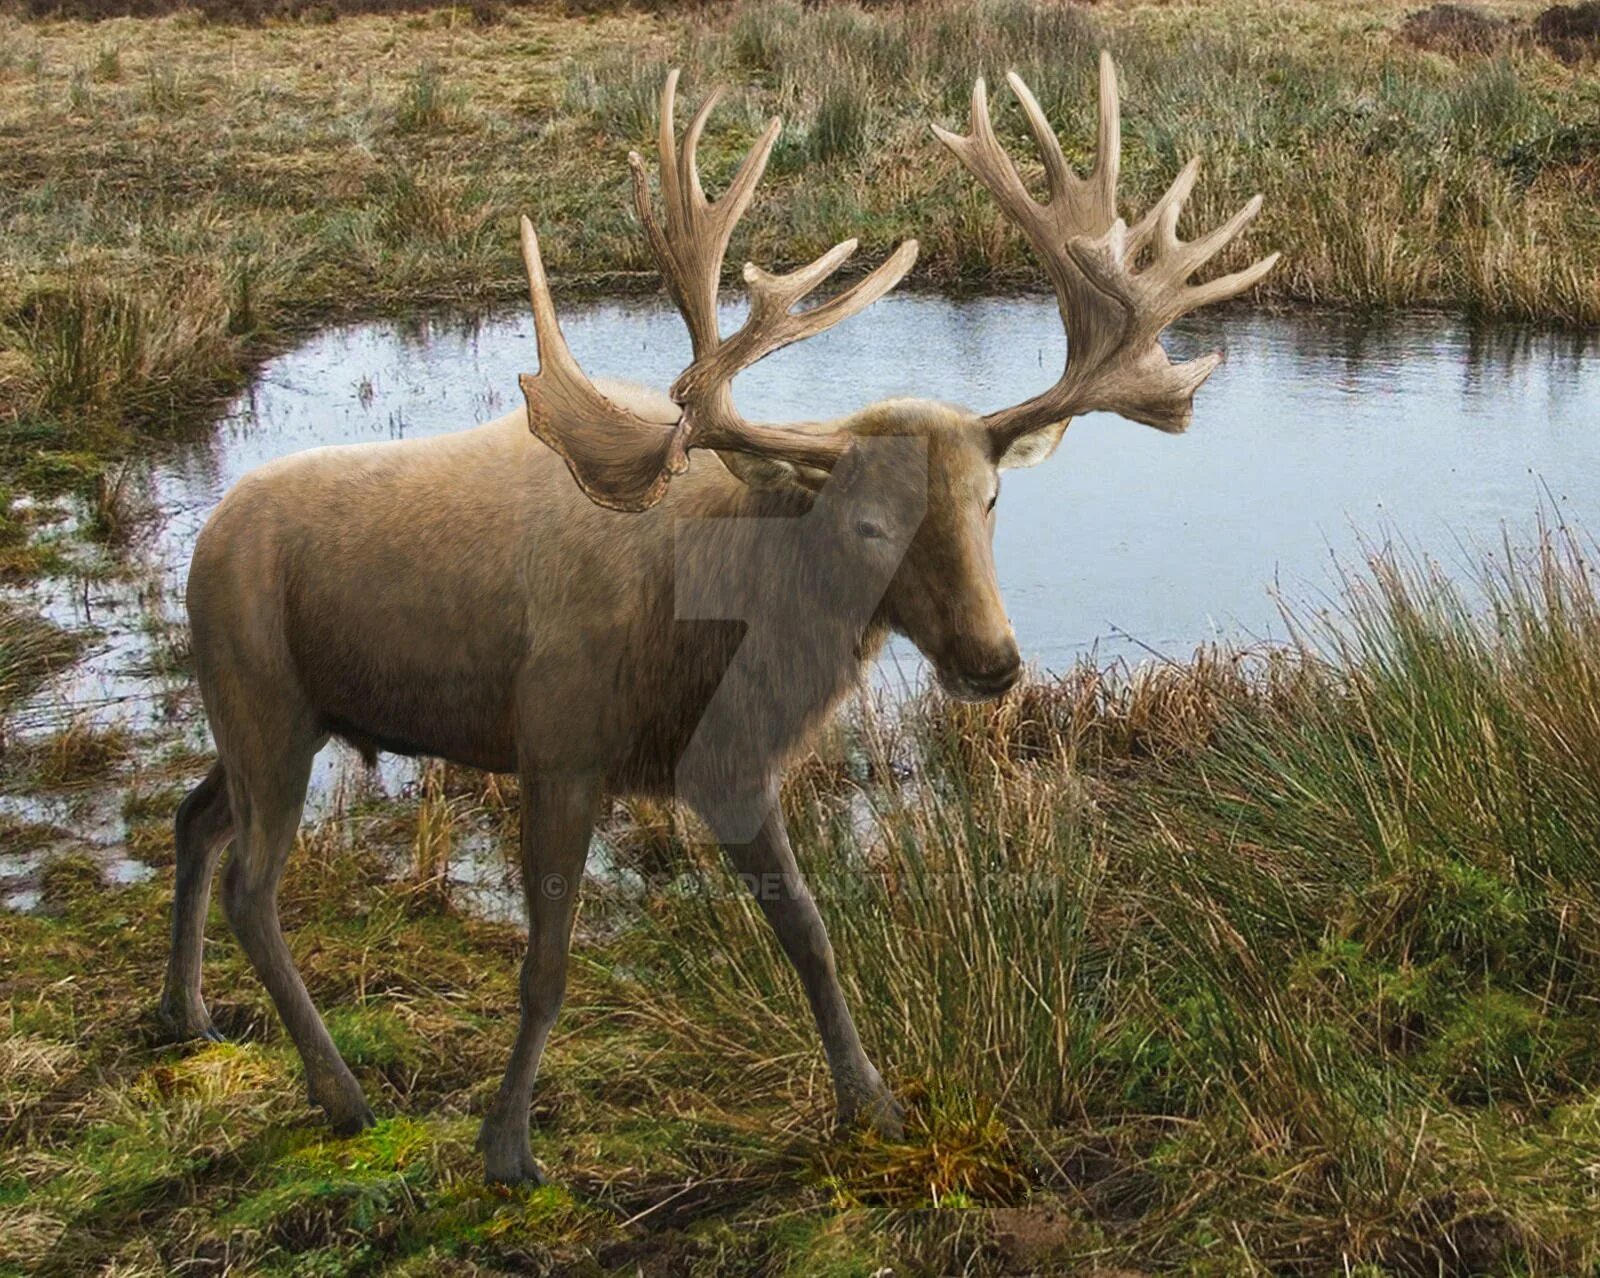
x=1317, y=437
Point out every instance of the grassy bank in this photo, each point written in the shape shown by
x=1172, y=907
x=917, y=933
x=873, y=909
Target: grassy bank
x=178, y=196
x=1262, y=963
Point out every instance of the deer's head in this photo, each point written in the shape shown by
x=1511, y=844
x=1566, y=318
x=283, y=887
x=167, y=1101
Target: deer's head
x=922, y=516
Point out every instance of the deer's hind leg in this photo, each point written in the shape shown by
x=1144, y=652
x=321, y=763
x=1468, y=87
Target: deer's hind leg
x=267, y=790
x=203, y=826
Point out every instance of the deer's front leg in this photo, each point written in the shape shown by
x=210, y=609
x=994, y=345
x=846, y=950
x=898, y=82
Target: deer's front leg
x=558, y=815
x=767, y=866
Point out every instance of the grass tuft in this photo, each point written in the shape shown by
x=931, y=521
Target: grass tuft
x=80, y=755
x=30, y=648
x=428, y=104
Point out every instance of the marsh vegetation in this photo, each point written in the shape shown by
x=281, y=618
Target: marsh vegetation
x=1269, y=960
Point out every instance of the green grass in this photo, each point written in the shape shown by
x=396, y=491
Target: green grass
x=1269, y=962
x=179, y=196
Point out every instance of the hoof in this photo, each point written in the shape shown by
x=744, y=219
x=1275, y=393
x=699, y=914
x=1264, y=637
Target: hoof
x=881, y=1114
x=178, y=1023
x=341, y=1100
x=352, y=1123
x=507, y=1157
x=521, y=1172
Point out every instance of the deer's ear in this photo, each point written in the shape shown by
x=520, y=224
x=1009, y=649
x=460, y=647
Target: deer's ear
x=757, y=471
x=1032, y=448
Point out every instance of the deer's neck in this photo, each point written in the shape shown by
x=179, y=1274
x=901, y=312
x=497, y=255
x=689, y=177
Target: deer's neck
x=766, y=637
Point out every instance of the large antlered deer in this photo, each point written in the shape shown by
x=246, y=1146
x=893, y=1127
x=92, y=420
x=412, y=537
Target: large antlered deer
x=676, y=621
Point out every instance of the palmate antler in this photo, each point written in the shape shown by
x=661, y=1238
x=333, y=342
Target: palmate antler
x=625, y=462
x=1113, y=313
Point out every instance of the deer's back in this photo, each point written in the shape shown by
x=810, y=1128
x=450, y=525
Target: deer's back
x=423, y=596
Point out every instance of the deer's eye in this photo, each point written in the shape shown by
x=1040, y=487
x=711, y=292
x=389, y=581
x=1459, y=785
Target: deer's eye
x=866, y=528
x=989, y=509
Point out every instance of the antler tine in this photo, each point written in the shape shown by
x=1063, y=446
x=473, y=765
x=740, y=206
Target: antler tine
x=666, y=142
x=742, y=187
x=1188, y=258
x=1108, y=142
x=983, y=155
x=1226, y=286
x=624, y=461
x=1163, y=214
x=841, y=306
x=1113, y=313
x=773, y=323
x=692, y=240
x=547, y=335
x=688, y=167
x=689, y=244
x=1058, y=172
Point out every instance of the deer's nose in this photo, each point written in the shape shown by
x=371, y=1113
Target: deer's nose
x=1000, y=674
x=994, y=667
